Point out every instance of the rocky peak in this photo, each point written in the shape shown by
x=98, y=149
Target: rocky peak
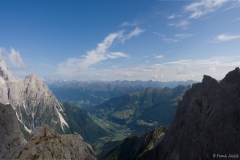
x=232, y=77
x=32, y=100
x=206, y=122
x=45, y=143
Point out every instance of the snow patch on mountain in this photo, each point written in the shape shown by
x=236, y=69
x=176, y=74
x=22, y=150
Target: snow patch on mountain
x=28, y=130
x=62, y=120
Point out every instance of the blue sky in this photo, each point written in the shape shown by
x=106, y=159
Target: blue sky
x=156, y=40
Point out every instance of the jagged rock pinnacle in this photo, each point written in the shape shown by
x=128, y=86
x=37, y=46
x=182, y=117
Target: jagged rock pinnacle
x=206, y=122
x=32, y=100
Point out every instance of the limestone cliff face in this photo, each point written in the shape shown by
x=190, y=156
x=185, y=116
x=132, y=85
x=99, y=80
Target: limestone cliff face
x=207, y=122
x=45, y=143
x=33, y=102
x=11, y=138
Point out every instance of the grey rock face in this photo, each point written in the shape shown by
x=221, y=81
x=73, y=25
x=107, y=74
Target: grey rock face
x=207, y=121
x=133, y=147
x=33, y=102
x=45, y=143
x=11, y=138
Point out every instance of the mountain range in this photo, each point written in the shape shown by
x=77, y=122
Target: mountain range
x=35, y=105
x=205, y=126
x=139, y=111
x=85, y=94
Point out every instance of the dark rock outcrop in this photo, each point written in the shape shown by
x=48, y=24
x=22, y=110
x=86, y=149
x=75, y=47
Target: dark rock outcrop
x=11, y=138
x=134, y=146
x=206, y=124
x=44, y=143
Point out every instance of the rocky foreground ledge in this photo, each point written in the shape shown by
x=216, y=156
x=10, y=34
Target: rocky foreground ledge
x=45, y=143
x=11, y=137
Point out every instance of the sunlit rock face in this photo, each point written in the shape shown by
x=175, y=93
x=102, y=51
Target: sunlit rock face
x=207, y=122
x=33, y=102
x=11, y=137
x=45, y=143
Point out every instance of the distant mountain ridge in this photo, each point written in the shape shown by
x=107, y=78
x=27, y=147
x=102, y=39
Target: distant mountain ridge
x=146, y=84
x=140, y=110
x=85, y=94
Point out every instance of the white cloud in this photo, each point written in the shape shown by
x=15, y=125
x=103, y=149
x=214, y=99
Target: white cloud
x=217, y=67
x=128, y=24
x=203, y=7
x=234, y=4
x=172, y=16
x=181, y=70
x=128, y=75
x=165, y=39
x=2, y=50
x=169, y=40
x=113, y=55
x=181, y=24
x=212, y=69
x=100, y=53
x=15, y=58
x=94, y=56
x=159, y=34
x=159, y=56
x=237, y=19
x=136, y=32
x=3, y=53
x=226, y=37
x=183, y=36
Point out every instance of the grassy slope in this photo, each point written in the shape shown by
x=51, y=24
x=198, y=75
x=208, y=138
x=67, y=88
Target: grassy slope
x=141, y=110
x=79, y=121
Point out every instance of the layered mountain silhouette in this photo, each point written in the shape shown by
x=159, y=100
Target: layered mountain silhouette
x=139, y=111
x=85, y=94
